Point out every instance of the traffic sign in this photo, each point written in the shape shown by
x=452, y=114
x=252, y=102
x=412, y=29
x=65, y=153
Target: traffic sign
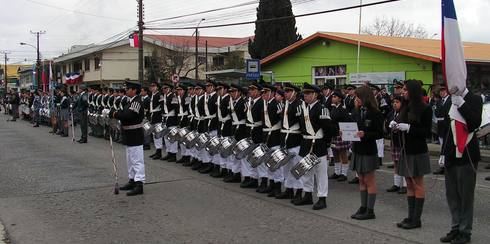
x=253, y=69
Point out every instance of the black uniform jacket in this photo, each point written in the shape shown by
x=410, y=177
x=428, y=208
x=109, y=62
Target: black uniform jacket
x=274, y=111
x=416, y=138
x=224, y=127
x=146, y=104
x=132, y=115
x=442, y=115
x=182, y=111
x=293, y=114
x=210, y=124
x=82, y=102
x=471, y=111
x=239, y=130
x=155, y=108
x=371, y=122
x=172, y=106
x=320, y=120
x=256, y=108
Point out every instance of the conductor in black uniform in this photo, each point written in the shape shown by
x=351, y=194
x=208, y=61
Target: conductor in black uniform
x=82, y=109
x=131, y=117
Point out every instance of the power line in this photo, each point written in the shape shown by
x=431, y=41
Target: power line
x=76, y=11
x=275, y=19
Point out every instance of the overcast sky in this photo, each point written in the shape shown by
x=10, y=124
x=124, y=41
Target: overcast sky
x=75, y=22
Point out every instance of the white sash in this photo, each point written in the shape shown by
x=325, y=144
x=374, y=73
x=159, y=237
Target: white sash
x=309, y=126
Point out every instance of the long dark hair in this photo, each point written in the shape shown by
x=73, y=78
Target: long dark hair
x=367, y=97
x=414, y=106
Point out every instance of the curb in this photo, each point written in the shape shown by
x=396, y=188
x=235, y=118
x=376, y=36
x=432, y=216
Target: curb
x=3, y=235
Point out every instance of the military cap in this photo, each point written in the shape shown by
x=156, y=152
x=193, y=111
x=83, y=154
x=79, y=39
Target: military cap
x=338, y=93
x=307, y=87
x=291, y=87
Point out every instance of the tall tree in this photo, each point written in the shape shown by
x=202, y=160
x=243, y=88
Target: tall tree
x=272, y=36
x=395, y=28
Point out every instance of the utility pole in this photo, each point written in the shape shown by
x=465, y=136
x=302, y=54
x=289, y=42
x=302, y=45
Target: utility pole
x=197, y=50
x=5, y=73
x=38, y=60
x=140, y=41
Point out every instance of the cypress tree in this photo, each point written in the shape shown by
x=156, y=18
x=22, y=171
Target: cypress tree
x=272, y=36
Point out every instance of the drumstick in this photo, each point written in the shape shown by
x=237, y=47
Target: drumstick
x=116, y=185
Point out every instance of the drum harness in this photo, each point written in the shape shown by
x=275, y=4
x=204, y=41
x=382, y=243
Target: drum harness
x=285, y=124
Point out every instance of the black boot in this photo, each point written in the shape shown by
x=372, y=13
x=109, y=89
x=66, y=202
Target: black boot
x=360, y=211
x=297, y=196
x=197, y=165
x=368, y=214
x=462, y=238
x=216, y=171
x=370, y=200
x=411, y=207
x=173, y=157
x=137, y=190
x=269, y=187
x=276, y=189
x=207, y=169
x=224, y=173
x=245, y=182
x=181, y=160
x=128, y=186
x=157, y=155
x=262, y=186
x=415, y=222
x=452, y=235
x=251, y=183
x=189, y=161
x=307, y=199
x=146, y=147
x=236, y=178
x=287, y=194
x=320, y=204
x=393, y=188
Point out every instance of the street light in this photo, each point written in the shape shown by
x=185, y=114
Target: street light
x=197, y=50
x=38, y=61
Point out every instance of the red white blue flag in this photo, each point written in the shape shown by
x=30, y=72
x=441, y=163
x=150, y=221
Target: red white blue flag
x=454, y=71
x=134, y=39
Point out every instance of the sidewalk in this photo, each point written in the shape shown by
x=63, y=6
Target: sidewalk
x=435, y=149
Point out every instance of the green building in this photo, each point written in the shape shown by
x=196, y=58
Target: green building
x=333, y=57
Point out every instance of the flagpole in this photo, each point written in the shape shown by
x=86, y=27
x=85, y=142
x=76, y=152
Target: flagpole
x=359, y=40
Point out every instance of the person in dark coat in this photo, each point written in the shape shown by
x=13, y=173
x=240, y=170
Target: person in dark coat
x=340, y=148
x=238, y=129
x=399, y=183
x=364, y=152
x=146, y=99
x=155, y=117
x=414, y=124
x=461, y=164
x=443, y=120
x=349, y=98
x=224, y=127
x=82, y=109
x=209, y=109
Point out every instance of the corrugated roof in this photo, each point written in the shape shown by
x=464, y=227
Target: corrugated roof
x=427, y=49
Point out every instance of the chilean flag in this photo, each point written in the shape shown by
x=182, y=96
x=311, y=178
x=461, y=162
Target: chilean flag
x=454, y=71
x=133, y=40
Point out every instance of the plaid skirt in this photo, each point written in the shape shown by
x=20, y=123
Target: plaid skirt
x=395, y=153
x=339, y=145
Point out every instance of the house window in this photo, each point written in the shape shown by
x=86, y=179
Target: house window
x=77, y=66
x=336, y=74
x=218, y=61
x=64, y=69
x=87, y=64
x=97, y=63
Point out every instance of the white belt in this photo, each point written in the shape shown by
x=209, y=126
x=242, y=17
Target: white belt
x=183, y=114
x=440, y=119
x=199, y=118
x=254, y=125
x=155, y=110
x=273, y=128
x=225, y=119
x=210, y=116
x=132, y=127
x=169, y=114
x=290, y=131
x=318, y=135
x=241, y=122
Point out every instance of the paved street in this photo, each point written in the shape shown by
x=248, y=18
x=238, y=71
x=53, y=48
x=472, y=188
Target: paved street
x=53, y=191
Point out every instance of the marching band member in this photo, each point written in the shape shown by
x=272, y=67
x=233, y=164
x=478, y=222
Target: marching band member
x=340, y=148
x=291, y=139
x=198, y=103
x=399, y=183
x=415, y=124
x=254, y=108
x=191, y=123
x=131, y=118
x=365, y=158
x=224, y=127
x=317, y=131
x=209, y=124
x=349, y=98
x=442, y=117
x=182, y=113
x=238, y=130
x=156, y=117
x=169, y=104
x=145, y=98
x=272, y=112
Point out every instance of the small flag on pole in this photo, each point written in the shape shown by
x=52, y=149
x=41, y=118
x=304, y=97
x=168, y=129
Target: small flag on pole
x=134, y=40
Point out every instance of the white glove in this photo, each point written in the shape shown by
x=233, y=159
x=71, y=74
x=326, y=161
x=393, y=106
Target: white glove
x=442, y=161
x=392, y=124
x=106, y=112
x=458, y=101
x=403, y=127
